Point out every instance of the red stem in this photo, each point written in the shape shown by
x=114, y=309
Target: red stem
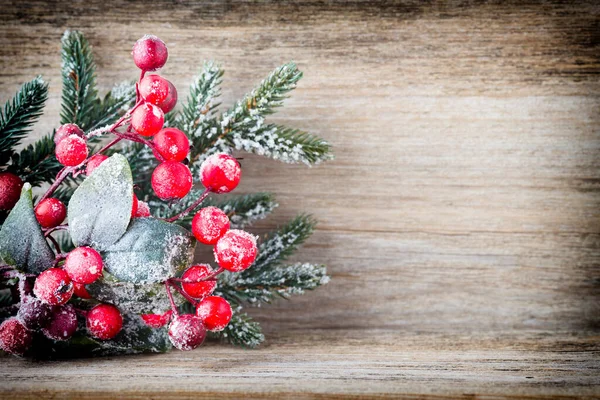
x=56, y=228
x=170, y=295
x=55, y=243
x=184, y=294
x=190, y=208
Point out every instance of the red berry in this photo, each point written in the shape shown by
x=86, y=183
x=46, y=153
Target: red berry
x=62, y=324
x=94, y=163
x=143, y=210
x=50, y=212
x=236, y=250
x=147, y=119
x=10, y=190
x=135, y=206
x=84, y=265
x=67, y=130
x=157, y=320
x=150, y=53
x=186, y=332
x=215, y=313
x=80, y=291
x=209, y=224
x=53, y=286
x=198, y=289
x=71, y=151
x=169, y=103
x=14, y=337
x=33, y=313
x=104, y=321
x=172, y=144
x=171, y=180
x=220, y=173
x=154, y=89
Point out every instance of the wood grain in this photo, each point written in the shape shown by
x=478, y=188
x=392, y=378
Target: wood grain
x=460, y=219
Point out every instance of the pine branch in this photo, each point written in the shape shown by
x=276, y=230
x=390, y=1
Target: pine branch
x=79, y=95
x=241, y=331
x=36, y=163
x=115, y=104
x=282, y=281
x=20, y=114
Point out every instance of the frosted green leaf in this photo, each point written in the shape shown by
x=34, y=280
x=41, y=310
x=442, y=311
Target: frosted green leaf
x=100, y=209
x=150, y=251
x=22, y=243
x=150, y=298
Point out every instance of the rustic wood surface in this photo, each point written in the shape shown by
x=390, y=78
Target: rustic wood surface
x=460, y=219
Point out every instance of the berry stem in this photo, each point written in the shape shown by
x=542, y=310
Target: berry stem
x=184, y=294
x=55, y=243
x=190, y=208
x=48, y=231
x=170, y=295
x=208, y=277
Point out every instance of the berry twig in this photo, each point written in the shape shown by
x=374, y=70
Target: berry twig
x=190, y=208
x=184, y=294
x=170, y=295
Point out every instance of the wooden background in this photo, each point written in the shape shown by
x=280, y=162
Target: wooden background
x=459, y=220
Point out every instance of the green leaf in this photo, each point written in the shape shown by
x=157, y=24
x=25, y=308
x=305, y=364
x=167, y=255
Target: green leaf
x=150, y=251
x=150, y=298
x=100, y=209
x=22, y=242
x=20, y=114
x=79, y=94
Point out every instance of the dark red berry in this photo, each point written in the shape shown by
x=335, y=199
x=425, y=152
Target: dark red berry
x=236, y=250
x=50, y=212
x=147, y=119
x=172, y=144
x=215, y=313
x=62, y=324
x=71, y=151
x=157, y=320
x=53, y=286
x=135, y=206
x=169, y=103
x=14, y=337
x=198, y=289
x=154, y=89
x=80, y=291
x=94, y=163
x=67, y=130
x=143, y=210
x=84, y=265
x=209, y=224
x=186, y=332
x=104, y=321
x=220, y=173
x=150, y=53
x=33, y=313
x=10, y=190
x=171, y=180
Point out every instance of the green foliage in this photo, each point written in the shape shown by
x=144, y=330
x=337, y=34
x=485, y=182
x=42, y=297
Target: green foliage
x=241, y=331
x=36, y=163
x=113, y=106
x=20, y=114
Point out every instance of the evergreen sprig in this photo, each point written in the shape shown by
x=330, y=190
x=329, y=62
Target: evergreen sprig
x=20, y=114
x=113, y=106
x=36, y=163
x=241, y=331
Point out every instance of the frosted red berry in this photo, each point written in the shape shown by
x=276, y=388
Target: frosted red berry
x=50, y=212
x=80, y=291
x=157, y=320
x=71, y=151
x=220, y=173
x=215, y=313
x=33, y=313
x=84, y=265
x=53, y=286
x=62, y=324
x=104, y=321
x=94, y=163
x=150, y=53
x=147, y=119
x=15, y=338
x=154, y=89
x=172, y=144
x=143, y=210
x=134, y=206
x=186, y=332
x=198, y=289
x=171, y=180
x=209, y=224
x=236, y=250
x=67, y=130
x=169, y=103
x=10, y=190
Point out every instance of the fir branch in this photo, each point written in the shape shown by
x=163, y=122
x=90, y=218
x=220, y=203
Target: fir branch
x=36, y=163
x=20, y=114
x=282, y=281
x=241, y=331
x=113, y=106
x=79, y=95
